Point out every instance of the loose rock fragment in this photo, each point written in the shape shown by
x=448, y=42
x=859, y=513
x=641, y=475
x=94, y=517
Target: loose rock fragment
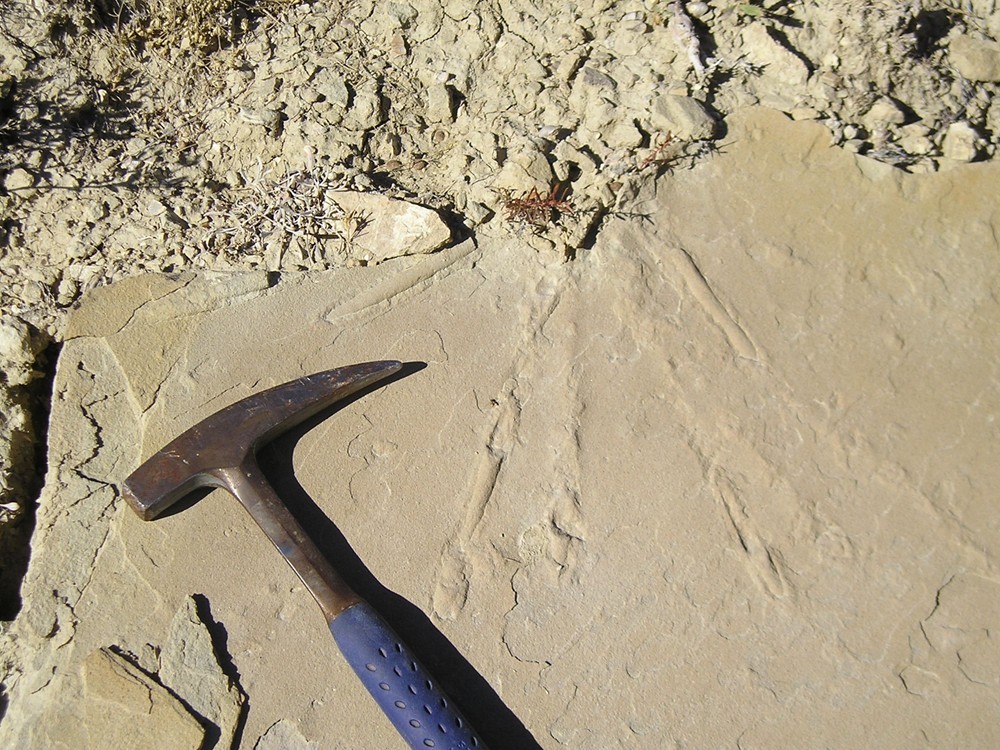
x=365, y=112
x=975, y=59
x=439, y=104
x=915, y=139
x=384, y=228
x=20, y=346
x=884, y=112
x=624, y=135
x=961, y=142
x=778, y=62
x=124, y=707
x=683, y=116
x=332, y=88
x=19, y=180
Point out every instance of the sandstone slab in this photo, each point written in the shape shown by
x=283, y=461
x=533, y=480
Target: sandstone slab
x=724, y=479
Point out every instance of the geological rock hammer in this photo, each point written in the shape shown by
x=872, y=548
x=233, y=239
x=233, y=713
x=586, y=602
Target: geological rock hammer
x=220, y=451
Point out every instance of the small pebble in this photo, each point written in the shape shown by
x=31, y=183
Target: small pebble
x=961, y=142
x=805, y=113
x=18, y=179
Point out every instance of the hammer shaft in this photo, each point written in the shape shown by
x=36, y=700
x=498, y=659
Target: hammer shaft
x=420, y=710
x=219, y=452
x=249, y=485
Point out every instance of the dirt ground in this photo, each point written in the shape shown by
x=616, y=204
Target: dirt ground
x=801, y=172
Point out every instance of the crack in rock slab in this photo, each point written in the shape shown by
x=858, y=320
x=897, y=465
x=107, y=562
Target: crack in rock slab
x=189, y=666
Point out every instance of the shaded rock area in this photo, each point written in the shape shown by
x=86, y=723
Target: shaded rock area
x=725, y=479
x=22, y=407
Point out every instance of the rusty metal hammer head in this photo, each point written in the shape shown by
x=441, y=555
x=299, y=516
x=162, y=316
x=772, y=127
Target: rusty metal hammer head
x=207, y=454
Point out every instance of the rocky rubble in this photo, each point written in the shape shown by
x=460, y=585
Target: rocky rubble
x=132, y=137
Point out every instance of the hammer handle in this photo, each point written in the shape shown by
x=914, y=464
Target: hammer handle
x=419, y=710
x=417, y=707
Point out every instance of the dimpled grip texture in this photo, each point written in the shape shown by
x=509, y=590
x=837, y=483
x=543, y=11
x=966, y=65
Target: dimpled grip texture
x=420, y=711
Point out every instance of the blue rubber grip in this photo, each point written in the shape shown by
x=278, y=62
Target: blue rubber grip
x=419, y=709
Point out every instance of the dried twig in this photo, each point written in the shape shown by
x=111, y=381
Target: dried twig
x=299, y=204
x=535, y=209
x=686, y=35
x=656, y=155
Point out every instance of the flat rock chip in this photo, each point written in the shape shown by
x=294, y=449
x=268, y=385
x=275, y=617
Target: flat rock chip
x=975, y=59
x=391, y=228
x=125, y=708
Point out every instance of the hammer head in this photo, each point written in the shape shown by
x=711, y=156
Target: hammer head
x=230, y=436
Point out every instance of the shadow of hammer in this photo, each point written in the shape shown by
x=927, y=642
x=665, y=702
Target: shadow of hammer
x=220, y=451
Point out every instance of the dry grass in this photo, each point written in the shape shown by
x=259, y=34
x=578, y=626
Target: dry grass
x=298, y=207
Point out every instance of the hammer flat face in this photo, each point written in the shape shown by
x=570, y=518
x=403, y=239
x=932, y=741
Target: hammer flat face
x=203, y=455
